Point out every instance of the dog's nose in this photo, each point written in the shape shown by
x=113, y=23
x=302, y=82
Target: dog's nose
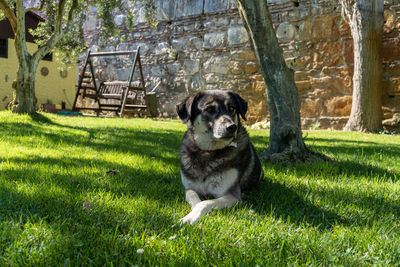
x=231, y=128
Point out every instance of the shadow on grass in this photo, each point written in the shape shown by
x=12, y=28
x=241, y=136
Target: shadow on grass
x=282, y=202
x=352, y=147
x=128, y=180
x=133, y=141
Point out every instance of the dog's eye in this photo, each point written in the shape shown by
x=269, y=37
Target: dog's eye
x=210, y=109
x=232, y=109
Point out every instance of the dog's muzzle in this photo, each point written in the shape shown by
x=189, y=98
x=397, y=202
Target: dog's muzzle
x=225, y=131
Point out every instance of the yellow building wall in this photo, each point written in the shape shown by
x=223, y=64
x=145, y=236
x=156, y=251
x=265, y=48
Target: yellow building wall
x=49, y=89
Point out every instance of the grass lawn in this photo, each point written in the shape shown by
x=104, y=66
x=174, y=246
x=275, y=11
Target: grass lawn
x=61, y=205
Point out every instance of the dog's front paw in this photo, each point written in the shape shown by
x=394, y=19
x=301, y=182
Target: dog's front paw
x=192, y=218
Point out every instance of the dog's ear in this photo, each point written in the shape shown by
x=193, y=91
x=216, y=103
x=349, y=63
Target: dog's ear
x=185, y=107
x=241, y=104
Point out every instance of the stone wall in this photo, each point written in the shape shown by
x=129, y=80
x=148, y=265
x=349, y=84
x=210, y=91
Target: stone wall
x=202, y=45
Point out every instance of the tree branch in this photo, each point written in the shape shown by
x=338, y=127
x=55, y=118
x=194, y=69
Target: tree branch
x=20, y=34
x=10, y=15
x=51, y=42
x=58, y=32
x=71, y=11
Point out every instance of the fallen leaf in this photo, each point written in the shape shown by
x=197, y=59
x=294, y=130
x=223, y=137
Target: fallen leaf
x=112, y=172
x=88, y=205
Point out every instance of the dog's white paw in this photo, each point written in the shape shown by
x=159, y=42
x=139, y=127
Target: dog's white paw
x=192, y=218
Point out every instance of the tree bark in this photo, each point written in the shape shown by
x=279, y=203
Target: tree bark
x=285, y=126
x=366, y=24
x=24, y=100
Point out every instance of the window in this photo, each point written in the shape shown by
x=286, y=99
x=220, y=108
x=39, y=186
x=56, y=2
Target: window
x=48, y=57
x=4, y=48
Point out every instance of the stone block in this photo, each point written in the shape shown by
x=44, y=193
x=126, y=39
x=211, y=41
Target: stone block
x=338, y=106
x=119, y=20
x=194, y=43
x=212, y=6
x=191, y=67
x=166, y=9
x=390, y=20
x=304, y=75
x=318, y=28
x=244, y=86
x=246, y=55
x=212, y=87
x=303, y=85
x=197, y=83
x=311, y=108
x=259, y=87
x=390, y=49
x=90, y=23
x=299, y=62
x=237, y=35
x=162, y=48
x=122, y=74
x=327, y=54
x=229, y=85
x=214, y=40
x=298, y=14
x=180, y=44
x=157, y=71
x=173, y=68
x=236, y=67
x=257, y=77
x=394, y=86
x=185, y=8
x=285, y=32
x=251, y=67
x=216, y=65
x=220, y=22
x=394, y=121
x=211, y=78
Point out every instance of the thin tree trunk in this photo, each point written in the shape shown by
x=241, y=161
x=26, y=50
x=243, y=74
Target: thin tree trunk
x=285, y=127
x=366, y=24
x=24, y=94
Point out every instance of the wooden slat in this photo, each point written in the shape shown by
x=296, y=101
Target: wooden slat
x=136, y=88
x=135, y=106
x=85, y=87
x=111, y=105
x=96, y=109
x=120, y=53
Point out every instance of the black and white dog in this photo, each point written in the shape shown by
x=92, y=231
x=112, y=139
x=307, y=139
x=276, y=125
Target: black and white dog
x=217, y=157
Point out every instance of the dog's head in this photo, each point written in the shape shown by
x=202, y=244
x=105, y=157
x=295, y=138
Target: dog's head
x=213, y=116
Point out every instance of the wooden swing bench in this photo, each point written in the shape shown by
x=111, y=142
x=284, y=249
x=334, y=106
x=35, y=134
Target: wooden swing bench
x=124, y=93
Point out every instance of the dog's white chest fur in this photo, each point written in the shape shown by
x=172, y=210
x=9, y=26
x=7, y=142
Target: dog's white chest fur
x=216, y=185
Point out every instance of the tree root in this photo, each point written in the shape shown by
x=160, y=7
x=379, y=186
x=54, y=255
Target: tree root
x=290, y=157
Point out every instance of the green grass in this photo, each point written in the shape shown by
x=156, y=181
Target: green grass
x=58, y=205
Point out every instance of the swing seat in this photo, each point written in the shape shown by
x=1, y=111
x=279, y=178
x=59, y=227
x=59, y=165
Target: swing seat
x=112, y=90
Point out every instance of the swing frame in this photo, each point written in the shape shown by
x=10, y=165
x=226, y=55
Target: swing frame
x=123, y=91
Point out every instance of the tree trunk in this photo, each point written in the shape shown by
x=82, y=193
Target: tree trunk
x=24, y=94
x=366, y=24
x=285, y=126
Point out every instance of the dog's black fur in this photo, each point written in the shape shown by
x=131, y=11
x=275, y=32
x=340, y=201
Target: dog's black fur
x=217, y=157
